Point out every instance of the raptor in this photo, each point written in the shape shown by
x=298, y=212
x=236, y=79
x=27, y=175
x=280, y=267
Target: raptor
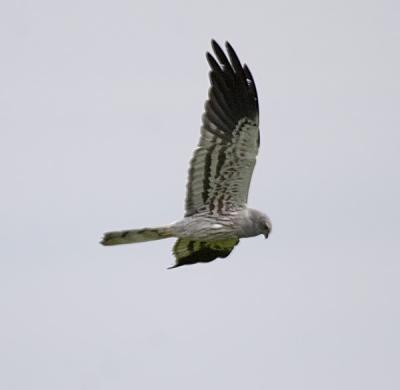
x=216, y=213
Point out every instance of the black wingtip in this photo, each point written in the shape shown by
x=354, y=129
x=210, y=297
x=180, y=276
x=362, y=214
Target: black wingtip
x=233, y=94
x=175, y=266
x=228, y=45
x=212, y=62
x=237, y=66
x=215, y=45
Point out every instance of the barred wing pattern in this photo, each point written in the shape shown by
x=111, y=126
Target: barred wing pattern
x=190, y=252
x=221, y=168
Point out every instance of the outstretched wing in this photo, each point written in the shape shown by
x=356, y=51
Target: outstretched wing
x=190, y=252
x=221, y=168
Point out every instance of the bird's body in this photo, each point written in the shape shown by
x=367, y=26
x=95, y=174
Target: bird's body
x=237, y=224
x=220, y=172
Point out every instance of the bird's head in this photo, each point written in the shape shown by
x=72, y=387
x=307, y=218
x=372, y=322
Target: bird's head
x=266, y=226
x=261, y=222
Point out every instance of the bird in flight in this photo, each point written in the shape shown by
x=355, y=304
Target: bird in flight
x=216, y=213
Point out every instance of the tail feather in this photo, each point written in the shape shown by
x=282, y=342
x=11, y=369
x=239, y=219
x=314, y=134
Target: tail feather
x=136, y=235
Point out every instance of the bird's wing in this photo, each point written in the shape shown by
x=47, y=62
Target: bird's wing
x=221, y=168
x=190, y=252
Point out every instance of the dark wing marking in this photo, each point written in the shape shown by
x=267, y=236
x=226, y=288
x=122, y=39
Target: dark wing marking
x=221, y=168
x=190, y=252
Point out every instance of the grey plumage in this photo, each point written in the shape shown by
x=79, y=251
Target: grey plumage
x=216, y=215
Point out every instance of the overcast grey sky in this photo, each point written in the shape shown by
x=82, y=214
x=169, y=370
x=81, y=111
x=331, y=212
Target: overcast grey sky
x=100, y=112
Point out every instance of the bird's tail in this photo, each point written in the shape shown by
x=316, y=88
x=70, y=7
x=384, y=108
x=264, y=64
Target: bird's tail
x=136, y=235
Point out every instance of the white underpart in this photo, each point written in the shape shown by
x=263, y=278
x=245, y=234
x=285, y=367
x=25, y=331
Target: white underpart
x=216, y=226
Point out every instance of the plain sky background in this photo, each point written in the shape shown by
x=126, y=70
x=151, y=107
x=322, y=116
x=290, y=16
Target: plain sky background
x=100, y=107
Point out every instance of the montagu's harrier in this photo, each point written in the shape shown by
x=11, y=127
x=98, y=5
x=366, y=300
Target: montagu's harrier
x=216, y=215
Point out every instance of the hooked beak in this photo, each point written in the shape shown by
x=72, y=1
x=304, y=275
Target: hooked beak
x=266, y=235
